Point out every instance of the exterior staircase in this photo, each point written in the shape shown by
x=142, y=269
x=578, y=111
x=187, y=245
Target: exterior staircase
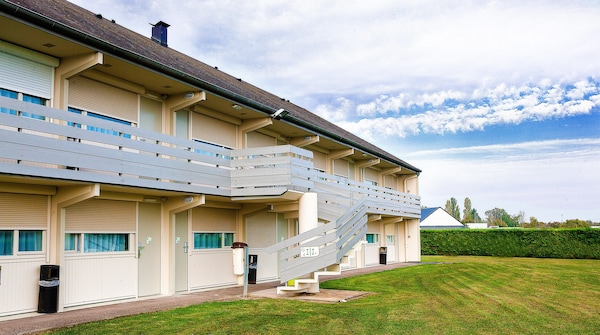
x=320, y=251
x=311, y=284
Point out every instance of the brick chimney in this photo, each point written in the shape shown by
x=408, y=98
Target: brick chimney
x=159, y=33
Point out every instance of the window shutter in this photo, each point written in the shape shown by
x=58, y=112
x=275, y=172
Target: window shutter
x=23, y=211
x=25, y=76
x=103, y=99
x=101, y=216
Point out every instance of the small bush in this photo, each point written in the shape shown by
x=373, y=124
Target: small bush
x=539, y=243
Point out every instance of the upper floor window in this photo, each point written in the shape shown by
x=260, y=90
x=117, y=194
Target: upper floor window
x=99, y=116
x=211, y=154
x=22, y=97
x=371, y=182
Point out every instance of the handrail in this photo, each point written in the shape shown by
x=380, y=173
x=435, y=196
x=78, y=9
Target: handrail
x=61, y=146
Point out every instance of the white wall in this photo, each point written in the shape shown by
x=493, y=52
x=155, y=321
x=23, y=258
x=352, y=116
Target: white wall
x=101, y=277
x=19, y=286
x=210, y=268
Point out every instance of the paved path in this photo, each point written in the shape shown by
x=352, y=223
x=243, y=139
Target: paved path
x=36, y=322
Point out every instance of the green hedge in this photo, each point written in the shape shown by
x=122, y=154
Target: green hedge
x=540, y=243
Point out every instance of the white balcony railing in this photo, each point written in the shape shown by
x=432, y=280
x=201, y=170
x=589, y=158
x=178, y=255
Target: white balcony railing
x=61, y=145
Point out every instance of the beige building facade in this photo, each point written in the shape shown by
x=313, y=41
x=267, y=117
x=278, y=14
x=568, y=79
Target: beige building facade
x=135, y=168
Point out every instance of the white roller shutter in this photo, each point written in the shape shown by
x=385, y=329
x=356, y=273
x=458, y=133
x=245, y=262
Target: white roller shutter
x=25, y=76
x=101, y=216
x=213, y=219
x=23, y=211
x=107, y=100
x=215, y=131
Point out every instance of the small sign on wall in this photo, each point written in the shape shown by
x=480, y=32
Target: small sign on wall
x=309, y=251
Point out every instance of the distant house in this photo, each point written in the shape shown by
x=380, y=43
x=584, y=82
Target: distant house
x=438, y=218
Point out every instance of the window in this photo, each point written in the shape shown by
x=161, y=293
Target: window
x=23, y=97
x=72, y=242
x=212, y=240
x=97, y=242
x=34, y=100
x=27, y=241
x=211, y=154
x=390, y=239
x=371, y=182
x=99, y=116
x=6, y=242
x=373, y=238
x=8, y=94
x=30, y=240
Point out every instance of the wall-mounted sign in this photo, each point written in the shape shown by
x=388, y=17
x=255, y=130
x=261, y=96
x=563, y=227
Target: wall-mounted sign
x=309, y=251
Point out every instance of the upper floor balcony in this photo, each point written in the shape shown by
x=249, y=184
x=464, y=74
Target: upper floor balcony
x=38, y=141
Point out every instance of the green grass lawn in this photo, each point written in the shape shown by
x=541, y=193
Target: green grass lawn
x=459, y=295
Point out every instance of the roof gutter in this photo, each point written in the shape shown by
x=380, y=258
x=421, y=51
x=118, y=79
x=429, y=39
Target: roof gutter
x=84, y=38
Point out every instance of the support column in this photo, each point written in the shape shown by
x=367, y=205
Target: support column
x=308, y=214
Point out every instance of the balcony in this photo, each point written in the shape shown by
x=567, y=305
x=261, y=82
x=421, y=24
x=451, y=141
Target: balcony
x=38, y=141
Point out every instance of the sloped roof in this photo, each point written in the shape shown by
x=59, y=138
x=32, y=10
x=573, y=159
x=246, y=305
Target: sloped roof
x=77, y=23
x=425, y=212
x=441, y=220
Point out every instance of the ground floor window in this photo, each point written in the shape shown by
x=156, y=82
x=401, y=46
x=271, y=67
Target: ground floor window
x=30, y=240
x=213, y=240
x=372, y=238
x=6, y=242
x=27, y=241
x=97, y=242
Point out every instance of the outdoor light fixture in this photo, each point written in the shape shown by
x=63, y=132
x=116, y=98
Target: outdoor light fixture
x=280, y=114
x=188, y=199
x=188, y=95
x=236, y=107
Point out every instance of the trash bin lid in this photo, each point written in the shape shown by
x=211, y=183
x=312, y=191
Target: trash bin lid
x=237, y=245
x=49, y=283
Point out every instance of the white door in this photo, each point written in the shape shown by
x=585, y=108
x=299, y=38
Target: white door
x=181, y=251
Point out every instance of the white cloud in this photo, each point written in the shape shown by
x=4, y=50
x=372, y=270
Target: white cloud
x=345, y=48
x=500, y=105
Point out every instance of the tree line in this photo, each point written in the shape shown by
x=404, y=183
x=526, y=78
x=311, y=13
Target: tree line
x=498, y=217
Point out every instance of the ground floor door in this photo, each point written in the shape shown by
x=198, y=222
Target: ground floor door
x=182, y=248
x=148, y=249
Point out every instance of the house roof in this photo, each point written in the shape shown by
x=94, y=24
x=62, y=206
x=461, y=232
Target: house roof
x=441, y=219
x=425, y=212
x=71, y=21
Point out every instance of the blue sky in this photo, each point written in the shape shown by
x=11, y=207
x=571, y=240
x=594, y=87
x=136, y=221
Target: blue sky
x=498, y=101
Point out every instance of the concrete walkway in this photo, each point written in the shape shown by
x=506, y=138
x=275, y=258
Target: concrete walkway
x=37, y=322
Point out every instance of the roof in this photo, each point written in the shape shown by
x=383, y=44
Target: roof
x=438, y=218
x=425, y=212
x=71, y=21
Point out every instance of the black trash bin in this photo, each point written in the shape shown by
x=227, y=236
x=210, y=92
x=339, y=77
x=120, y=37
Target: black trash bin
x=383, y=255
x=48, y=295
x=252, y=263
